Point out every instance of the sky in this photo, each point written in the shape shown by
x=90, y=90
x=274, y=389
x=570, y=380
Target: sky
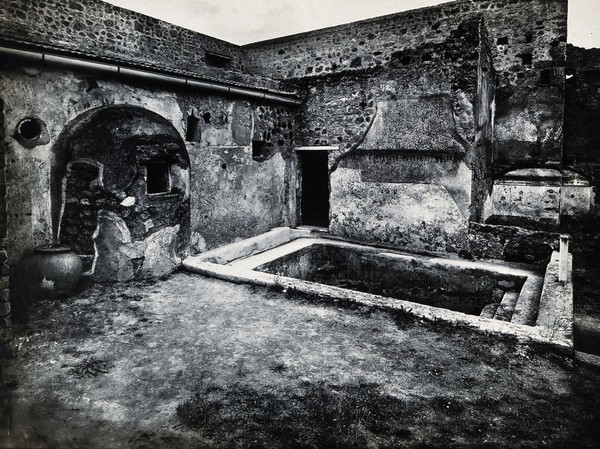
x=244, y=21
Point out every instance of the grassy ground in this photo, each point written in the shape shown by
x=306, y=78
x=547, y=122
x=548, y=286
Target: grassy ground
x=192, y=362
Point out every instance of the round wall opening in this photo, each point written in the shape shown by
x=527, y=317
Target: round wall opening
x=30, y=128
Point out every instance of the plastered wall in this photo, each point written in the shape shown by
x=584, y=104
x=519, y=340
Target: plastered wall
x=414, y=139
x=232, y=196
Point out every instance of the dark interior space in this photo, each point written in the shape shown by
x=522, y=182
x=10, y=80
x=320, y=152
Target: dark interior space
x=315, y=188
x=157, y=178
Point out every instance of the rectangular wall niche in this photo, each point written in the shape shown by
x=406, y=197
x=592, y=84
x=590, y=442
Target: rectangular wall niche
x=259, y=150
x=158, y=178
x=216, y=59
x=193, y=132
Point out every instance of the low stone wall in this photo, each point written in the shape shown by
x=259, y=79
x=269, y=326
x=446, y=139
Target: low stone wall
x=511, y=243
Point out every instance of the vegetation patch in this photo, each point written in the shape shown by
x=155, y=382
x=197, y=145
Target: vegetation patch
x=90, y=367
x=315, y=415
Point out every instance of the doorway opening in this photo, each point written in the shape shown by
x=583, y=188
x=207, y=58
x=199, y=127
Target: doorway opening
x=315, y=188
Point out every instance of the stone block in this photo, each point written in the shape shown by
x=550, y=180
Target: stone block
x=160, y=256
x=110, y=264
x=417, y=217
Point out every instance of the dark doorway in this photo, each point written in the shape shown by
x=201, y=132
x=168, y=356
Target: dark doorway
x=315, y=188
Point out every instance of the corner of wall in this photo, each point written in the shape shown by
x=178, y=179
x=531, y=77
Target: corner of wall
x=5, y=316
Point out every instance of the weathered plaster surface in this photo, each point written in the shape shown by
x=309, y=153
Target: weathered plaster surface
x=413, y=168
x=233, y=196
x=530, y=92
x=419, y=123
x=64, y=97
x=237, y=208
x=540, y=197
x=118, y=258
x=415, y=216
x=427, y=142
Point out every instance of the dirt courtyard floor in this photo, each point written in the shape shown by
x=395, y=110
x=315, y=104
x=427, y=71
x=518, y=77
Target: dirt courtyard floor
x=193, y=362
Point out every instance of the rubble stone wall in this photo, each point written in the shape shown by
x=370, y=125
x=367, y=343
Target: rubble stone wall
x=528, y=40
x=582, y=115
x=90, y=25
x=414, y=139
x=97, y=29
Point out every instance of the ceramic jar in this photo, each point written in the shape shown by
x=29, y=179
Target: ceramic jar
x=50, y=271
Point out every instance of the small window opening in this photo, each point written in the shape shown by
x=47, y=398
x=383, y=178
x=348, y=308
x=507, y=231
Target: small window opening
x=216, y=59
x=546, y=76
x=260, y=150
x=527, y=58
x=502, y=41
x=206, y=117
x=30, y=129
x=193, y=132
x=528, y=38
x=158, y=178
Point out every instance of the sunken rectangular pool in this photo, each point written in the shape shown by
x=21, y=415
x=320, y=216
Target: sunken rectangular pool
x=525, y=301
x=467, y=290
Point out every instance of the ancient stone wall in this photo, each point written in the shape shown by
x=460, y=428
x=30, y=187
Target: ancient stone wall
x=414, y=141
x=5, y=309
x=101, y=30
x=126, y=161
x=243, y=171
x=582, y=114
x=230, y=194
x=528, y=48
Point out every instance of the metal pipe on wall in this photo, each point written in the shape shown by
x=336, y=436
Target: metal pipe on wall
x=69, y=62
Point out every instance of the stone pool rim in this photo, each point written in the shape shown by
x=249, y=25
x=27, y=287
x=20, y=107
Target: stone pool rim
x=554, y=322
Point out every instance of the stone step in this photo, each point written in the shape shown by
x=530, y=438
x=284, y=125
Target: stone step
x=489, y=310
x=528, y=303
x=506, y=306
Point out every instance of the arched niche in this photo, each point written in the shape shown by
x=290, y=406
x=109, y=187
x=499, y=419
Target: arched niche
x=127, y=161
